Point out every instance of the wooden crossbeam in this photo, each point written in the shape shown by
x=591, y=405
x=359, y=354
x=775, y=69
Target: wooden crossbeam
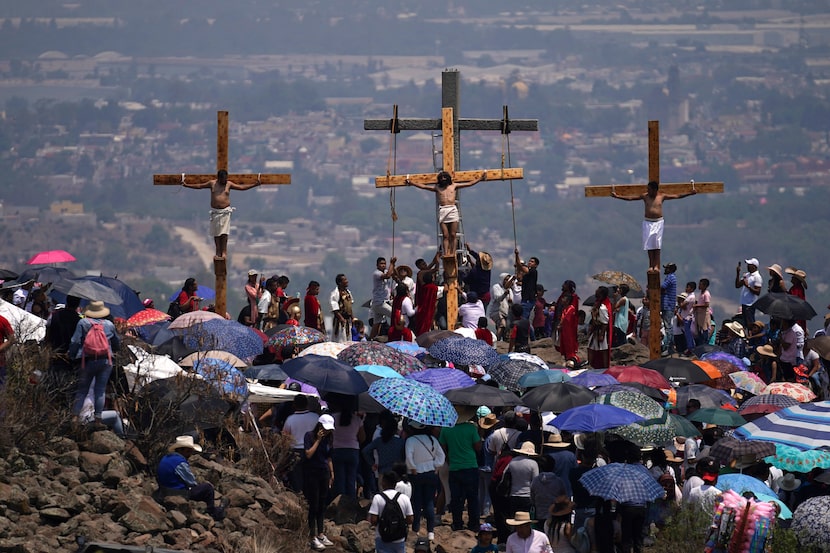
x=238, y=178
x=604, y=190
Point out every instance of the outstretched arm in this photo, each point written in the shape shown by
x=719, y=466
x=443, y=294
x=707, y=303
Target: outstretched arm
x=208, y=184
x=472, y=182
x=419, y=185
x=627, y=198
x=235, y=186
x=678, y=196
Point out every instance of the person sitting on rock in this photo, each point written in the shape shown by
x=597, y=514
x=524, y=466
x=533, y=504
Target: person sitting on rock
x=175, y=477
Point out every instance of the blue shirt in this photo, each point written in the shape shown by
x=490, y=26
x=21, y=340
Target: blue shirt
x=668, y=299
x=174, y=472
x=83, y=326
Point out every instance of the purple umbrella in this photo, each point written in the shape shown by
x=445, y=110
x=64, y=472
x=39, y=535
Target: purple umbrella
x=594, y=417
x=443, y=380
x=590, y=379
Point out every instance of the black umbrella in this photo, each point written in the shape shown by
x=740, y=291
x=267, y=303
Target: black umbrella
x=266, y=372
x=45, y=274
x=482, y=394
x=677, y=369
x=785, y=306
x=6, y=274
x=87, y=290
x=326, y=374
x=557, y=397
x=365, y=402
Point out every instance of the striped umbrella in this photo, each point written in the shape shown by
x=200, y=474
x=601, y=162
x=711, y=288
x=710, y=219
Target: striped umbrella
x=804, y=426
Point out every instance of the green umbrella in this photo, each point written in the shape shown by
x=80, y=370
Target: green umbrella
x=717, y=416
x=635, y=402
x=660, y=430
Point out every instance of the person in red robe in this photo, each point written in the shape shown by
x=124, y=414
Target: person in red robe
x=313, y=314
x=428, y=298
x=798, y=288
x=568, y=325
x=399, y=331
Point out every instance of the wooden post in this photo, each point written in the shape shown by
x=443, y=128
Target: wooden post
x=220, y=269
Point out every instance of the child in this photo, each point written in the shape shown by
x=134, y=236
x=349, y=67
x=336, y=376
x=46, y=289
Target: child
x=485, y=540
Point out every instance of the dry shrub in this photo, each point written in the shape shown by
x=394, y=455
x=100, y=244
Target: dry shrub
x=266, y=454
x=685, y=530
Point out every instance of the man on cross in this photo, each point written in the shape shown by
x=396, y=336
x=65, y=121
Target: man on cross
x=653, y=220
x=220, y=207
x=448, y=215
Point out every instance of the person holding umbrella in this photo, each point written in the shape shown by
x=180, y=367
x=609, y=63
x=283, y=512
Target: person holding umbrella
x=318, y=477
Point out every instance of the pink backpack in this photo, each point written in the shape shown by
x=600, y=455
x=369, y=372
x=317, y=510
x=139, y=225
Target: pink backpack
x=96, y=343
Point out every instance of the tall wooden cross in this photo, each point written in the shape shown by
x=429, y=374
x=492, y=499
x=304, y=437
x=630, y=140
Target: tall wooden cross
x=629, y=190
x=220, y=269
x=450, y=126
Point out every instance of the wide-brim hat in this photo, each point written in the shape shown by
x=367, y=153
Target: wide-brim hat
x=406, y=269
x=521, y=517
x=184, y=442
x=776, y=268
x=488, y=421
x=736, y=327
x=562, y=506
x=485, y=260
x=527, y=449
x=555, y=440
x=801, y=276
x=766, y=350
x=788, y=482
x=96, y=310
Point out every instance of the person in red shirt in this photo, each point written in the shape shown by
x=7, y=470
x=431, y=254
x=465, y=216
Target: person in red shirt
x=187, y=298
x=311, y=307
x=483, y=333
x=6, y=340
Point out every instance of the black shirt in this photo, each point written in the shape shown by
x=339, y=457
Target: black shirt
x=529, y=285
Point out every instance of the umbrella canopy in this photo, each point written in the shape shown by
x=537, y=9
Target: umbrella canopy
x=325, y=374
x=87, y=290
x=147, y=317
x=717, y=416
x=811, y=524
x=708, y=397
x=804, y=426
x=223, y=376
x=464, y=351
x=507, y=372
x=703, y=349
x=765, y=404
x=535, y=359
x=481, y=394
x=784, y=306
x=659, y=430
x=426, y=339
x=713, y=356
x=201, y=291
x=622, y=483
x=594, y=418
x=193, y=318
x=266, y=372
x=633, y=373
x=537, y=378
x=443, y=379
x=793, y=459
x=748, y=381
x=220, y=334
x=414, y=400
x=677, y=369
x=409, y=348
x=785, y=512
x=592, y=379
x=653, y=393
x=729, y=449
x=6, y=274
x=633, y=401
x=557, y=397
x=296, y=336
x=740, y=483
x=820, y=345
x=375, y=353
x=381, y=371
x=618, y=277
x=798, y=392
x=190, y=360
x=51, y=256
x=326, y=349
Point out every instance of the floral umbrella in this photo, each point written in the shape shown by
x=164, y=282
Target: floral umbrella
x=326, y=349
x=653, y=393
x=414, y=400
x=375, y=353
x=464, y=351
x=223, y=376
x=147, y=317
x=798, y=392
x=295, y=336
x=811, y=524
x=793, y=459
x=635, y=402
x=751, y=382
x=765, y=404
x=507, y=372
x=660, y=430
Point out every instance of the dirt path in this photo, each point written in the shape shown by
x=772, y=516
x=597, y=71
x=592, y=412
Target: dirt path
x=204, y=249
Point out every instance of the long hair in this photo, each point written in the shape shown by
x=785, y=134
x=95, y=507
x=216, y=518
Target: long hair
x=188, y=284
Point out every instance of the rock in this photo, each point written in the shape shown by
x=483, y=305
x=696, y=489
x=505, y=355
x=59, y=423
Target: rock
x=55, y=514
x=15, y=499
x=179, y=519
x=146, y=516
x=94, y=464
x=104, y=442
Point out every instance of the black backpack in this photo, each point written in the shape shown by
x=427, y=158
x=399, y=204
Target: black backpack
x=391, y=523
x=175, y=309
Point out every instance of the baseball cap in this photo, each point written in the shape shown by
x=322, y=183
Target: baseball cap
x=252, y=272
x=327, y=421
x=751, y=261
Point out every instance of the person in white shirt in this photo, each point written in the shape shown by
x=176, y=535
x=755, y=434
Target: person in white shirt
x=750, y=284
x=424, y=455
x=388, y=482
x=264, y=301
x=340, y=301
x=499, y=304
x=524, y=538
x=297, y=425
x=471, y=311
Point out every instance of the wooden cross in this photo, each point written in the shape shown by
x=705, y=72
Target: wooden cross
x=220, y=269
x=629, y=190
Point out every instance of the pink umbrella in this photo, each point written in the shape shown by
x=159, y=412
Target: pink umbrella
x=51, y=256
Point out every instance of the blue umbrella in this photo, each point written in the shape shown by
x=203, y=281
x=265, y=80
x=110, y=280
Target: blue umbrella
x=785, y=513
x=741, y=483
x=220, y=334
x=130, y=302
x=326, y=374
x=443, y=379
x=201, y=291
x=378, y=370
x=591, y=379
x=545, y=376
x=414, y=400
x=465, y=351
x=622, y=483
x=223, y=376
x=266, y=372
x=594, y=417
x=409, y=348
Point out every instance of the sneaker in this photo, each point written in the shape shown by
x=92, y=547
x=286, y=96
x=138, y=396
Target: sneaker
x=325, y=541
x=316, y=545
x=431, y=536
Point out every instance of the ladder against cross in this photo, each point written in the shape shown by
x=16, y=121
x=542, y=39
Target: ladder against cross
x=631, y=190
x=220, y=269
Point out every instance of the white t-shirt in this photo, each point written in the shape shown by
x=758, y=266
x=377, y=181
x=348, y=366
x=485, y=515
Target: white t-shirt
x=298, y=425
x=378, y=503
x=380, y=287
x=753, y=280
x=264, y=302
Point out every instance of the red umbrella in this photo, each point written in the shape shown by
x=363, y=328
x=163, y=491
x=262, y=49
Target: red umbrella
x=633, y=373
x=147, y=317
x=51, y=256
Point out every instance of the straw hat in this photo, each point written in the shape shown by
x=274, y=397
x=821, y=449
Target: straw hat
x=776, y=268
x=521, y=517
x=488, y=421
x=96, y=310
x=766, y=350
x=184, y=442
x=801, y=276
x=788, y=482
x=736, y=327
x=555, y=440
x=527, y=449
x=406, y=269
x=486, y=260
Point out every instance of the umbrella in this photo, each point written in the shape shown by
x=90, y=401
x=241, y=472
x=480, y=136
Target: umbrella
x=804, y=426
x=201, y=291
x=677, y=369
x=266, y=372
x=659, y=430
x=751, y=382
x=703, y=349
x=147, y=317
x=464, y=351
x=557, y=397
x=482, y=394
x=798, y=392
x=535, y=359
x=785, y=513
x=622, y=483
x=820, y=345
x=191, y=359
x=193, y=318
x=87, y=290
x=167, y=343
x=537, y=378
x=618, y=277
x=508, y=371
x=781, y=305
x=683, y=427
x=295, y=336
x=45, y=274
x=728, y=449
x=649, y=377
x=592, y=379
x=633, y=401
x=443, y=379
x=223, y=376
x=717, y=416
x=327, y=349
x=375, y=353
x=793, y=459
x=594, y=418
x=381, y=371
x=810, y=524
x=740, y=483
x=653, y=393
x=426, y=339
x=130, y=302
x=708, y=397
x=51, y=256
x=409, y=348
x=414, y=400
x=229, y=336
x=765, y=404
x=6, y=274
x=325, y=374
x=713, y=356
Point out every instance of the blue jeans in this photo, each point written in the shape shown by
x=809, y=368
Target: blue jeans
x=702, y=337
x=464, y=487
x=687, y=332
x=389, y=547
x=345, y=462
x=424, y=486
x=748, y=314
x=99, y=371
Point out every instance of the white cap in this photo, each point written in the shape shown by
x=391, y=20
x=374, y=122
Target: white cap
x=751, y=261
x=327, y=421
